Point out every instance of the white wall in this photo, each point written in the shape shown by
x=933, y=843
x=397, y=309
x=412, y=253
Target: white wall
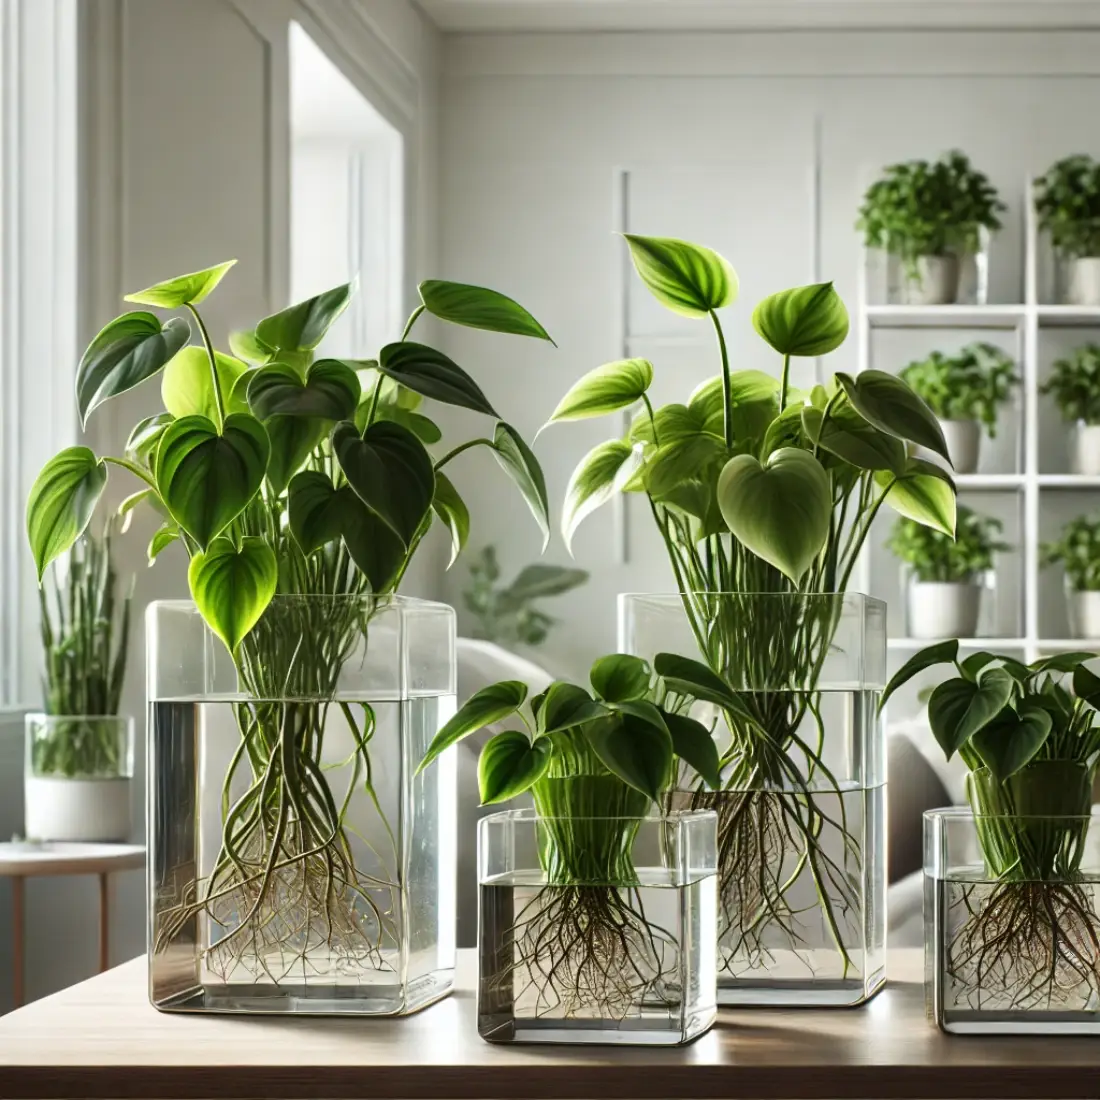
x=757, y=144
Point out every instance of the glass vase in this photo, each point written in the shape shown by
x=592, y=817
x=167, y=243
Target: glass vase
x=596, y=930
x=801, y=844
x=1012, y=945
x=297, y=863
x=76, y=779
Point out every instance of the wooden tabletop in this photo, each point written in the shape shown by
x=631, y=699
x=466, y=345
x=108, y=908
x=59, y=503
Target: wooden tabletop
x=102, y=1039
x=31, y=857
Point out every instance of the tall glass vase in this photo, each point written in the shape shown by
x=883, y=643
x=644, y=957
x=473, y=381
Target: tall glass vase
x=801, y=844
x=296, y=862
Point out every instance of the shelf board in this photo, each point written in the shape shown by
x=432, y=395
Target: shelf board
x=1068, y=481
x=1084, y=644
x=964, y=643
x=990, y=481
x=965, y=317
x=1068, y=316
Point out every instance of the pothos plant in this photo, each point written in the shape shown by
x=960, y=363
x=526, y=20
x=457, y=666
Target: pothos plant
x=595, y=761
x=971, y=385
x=300, y=488
x=760, y=491
x=1031, y=744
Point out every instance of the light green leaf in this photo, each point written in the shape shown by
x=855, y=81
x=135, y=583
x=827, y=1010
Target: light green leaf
x=520, y=464
x=941, y=653
x=431, y=373
x=330, y=391
x=925, y=497
x=693, y=743
x=246, y=345
x=685, y=278
x=483, y=708
x=183, y=290
x=565, y=706
x=1010, y=743
x=637, y=751
x=61, y=503
x=146, y=435
x=302, y=327
x=232, y=586
x=887, y=403
x=293, y=440
x=754, y=404
x=478, y=307
x=451, y=509
x=848, y=436
x=187, y=389
x=509, y=765
x=780, y=510
x=598, y=477
x=165, y=535
x=620, y=678
x=672, y=464
x=613, y=386
x=805, y=320
x=126, y=508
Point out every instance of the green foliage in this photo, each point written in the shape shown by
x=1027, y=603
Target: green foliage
x=1078, y=550
x=685, y=278
x=1067, y=202
x=613, y=386
x=934, y=556
x=232, y=585
x=507, y=614
x=1075, y=383
x=929, y=209
x=971, y=385
x=806, y=321
x=478, y=307
x=61, y=503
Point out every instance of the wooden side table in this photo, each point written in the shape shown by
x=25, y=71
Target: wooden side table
x=22, y=860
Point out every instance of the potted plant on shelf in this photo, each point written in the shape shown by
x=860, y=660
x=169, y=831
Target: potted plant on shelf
x=1074, y=383
x=1078, y=551
x=1013, y=927
x=80, y=752
x=930, y=215
x=1067, y=203
x=296, y=866
x=946, y=575
x=764, y=497
x=966, y=392
x=596, y=909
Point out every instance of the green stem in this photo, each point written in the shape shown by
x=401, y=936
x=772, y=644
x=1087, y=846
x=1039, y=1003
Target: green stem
x=373, y=402
x=460, y=448
x=135, y=469
x=727, y=417
x=784, y=383
x=824, y=421
x=213, y=365
x=652, y=419
x=864, y=532
x=412, y=321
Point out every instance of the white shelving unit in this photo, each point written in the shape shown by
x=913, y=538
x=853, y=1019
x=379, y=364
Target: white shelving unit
x=1026, y=320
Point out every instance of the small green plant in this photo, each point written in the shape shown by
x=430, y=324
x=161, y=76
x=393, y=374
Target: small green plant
x=85, y=630
x=933, y=556
x=506, y=613
x=1078, y=550
x=929, y=209
x=1067, y=202
x=971, y=385
x=1031, y=747
x=1075, y=384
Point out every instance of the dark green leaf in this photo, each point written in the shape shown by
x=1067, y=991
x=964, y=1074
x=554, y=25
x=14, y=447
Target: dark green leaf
x=520, y=464
x=685, y=676
x=483, y=708
x=478, y=307
x=638, y=752
x=886, y=402
x=620, y=677
x=509, y=765
x=187, y=388
x=231, y=587
x=848, y=436
x=61, y=503
x=938, y=654
x=692, y=743
x=598, y=477
x=1009, y=743
x=431, y=373
x=376, y=550
x=183, y=290
x=1086, y=685
x=565, y=706
x=452, y=510
x=685, y=278
x=806, y=320
x=293, y=440
x=314, y=510
x=613, y=386
x=1062, y=662
x=537, y=581
x=958, y=708
x=974, y=664
x=302, y=327
x=330, y=391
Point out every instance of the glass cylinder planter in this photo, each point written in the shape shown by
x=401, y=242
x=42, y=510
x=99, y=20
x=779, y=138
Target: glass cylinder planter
x=297, y=863
x=801, y=844
x=596, y=930
x=76, y=780
x=1012, y=945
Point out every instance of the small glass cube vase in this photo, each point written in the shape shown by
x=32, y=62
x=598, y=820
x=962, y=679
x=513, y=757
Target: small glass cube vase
x=1006, y=952
x=297, y=863
x=76, y=783
x=801, y=826
x=621, y=953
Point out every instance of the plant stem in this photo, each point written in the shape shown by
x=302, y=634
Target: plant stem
x=213, y=365
x=412, y=321
x=374, y=402
x=783, y=385
x=824, y=421
x=460, y=448
x=135, y=469
x=864, y=532
x=727, y=412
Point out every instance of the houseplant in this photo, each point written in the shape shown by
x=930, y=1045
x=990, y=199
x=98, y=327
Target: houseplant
x=595, y=913
x=946, y=575
x=1067, y=203
x=506, y=613
x=966, y=392
x=930, y=215
x=763, y=497
x=1012, y=923
x=1074, y=383
x=1078, y=551
x=80, y=752
x=295, y=864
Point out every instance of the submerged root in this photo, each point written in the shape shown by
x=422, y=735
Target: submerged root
x=1026, y=945
x=588, y=952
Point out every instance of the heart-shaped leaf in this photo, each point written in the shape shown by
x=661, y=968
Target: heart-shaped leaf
x=598, y=477
x=452, y=510
x=187, y=388
x=124, y=354
x=61, y=503
x=313, y=508
x=330, y=391
x=922, y=495
x=692, y=678
x=246, y=345
x=205, y=479
x=620, y=678
x=692, y=743
x=613, y=386
x=509, y=765
x=520, y=464
x=293, y=440
x=754, y=404
x=781, y=510
x=805, y=320
x=301, y=327
x=390, y=471
x=1086, y=685
x=146, y=435
x=165, y=535
x=565, y=706
x=638, y=752
x=478, y=307
x=674, y=463
x=685, y=278
x=941, y=653
x=182, y=290
x=1009, y=743
x=483, y=708
x=888, y=403
x=232, y=586
x=848, y=436
x=431, y=373
x=958, y=708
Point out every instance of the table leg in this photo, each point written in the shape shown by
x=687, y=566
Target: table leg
x=17, y=957
x=104, y=925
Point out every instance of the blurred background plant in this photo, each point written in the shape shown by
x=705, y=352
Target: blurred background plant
x=1075, y=384
x=1067, y=201
x=1078, y=550
x=971, y=385
x=936, y=557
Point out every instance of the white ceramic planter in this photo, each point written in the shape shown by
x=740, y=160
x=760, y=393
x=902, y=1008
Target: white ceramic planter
x=1083, y=281
x=1084, y=614
x=944, y=610
x=76, y=810
x=964, y=442
x=935, y=283
x=1084, y=455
